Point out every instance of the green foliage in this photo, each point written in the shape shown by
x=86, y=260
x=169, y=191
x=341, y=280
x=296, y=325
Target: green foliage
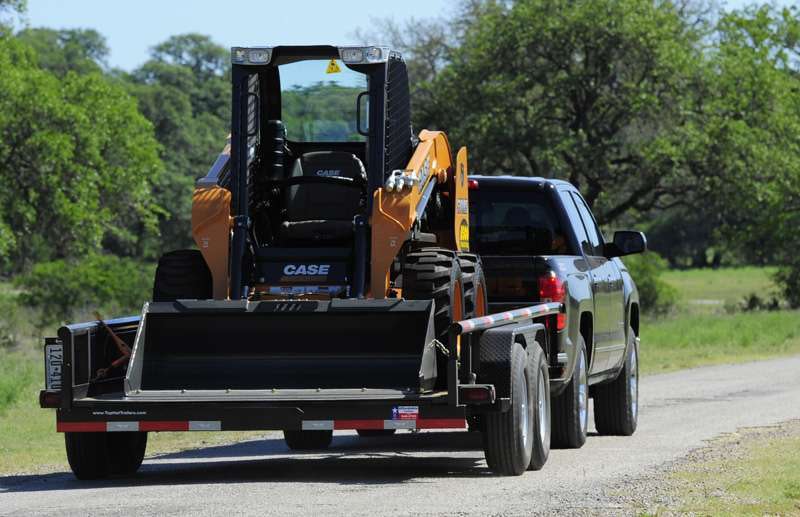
x=77, y=162
x=788, y=277
x=17, y=373
x=655, y=295
x=97, y=282
x=184, y=91
x=321, y=113
x=82, y=51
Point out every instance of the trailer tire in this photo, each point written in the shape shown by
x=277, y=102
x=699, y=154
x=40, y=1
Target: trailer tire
x=126, y=452
x=87, y=454
x=616, y=404
x=571, y=406
x=508, y=437
x=375, y=433
x=182, y=275
x=308, y=440
x=475, y=302
x=435, y=274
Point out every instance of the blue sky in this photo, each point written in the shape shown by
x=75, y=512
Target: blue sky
x=132, y=27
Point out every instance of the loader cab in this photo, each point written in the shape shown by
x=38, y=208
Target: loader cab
x=315, y=131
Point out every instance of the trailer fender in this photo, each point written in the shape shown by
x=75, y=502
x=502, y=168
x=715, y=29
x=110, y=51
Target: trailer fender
x=495, y=347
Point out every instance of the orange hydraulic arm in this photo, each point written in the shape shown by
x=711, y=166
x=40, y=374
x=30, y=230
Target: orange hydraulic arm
x=400, y=203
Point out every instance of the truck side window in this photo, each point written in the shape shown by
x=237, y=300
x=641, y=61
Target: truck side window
x=595, y=238
x=575, y=220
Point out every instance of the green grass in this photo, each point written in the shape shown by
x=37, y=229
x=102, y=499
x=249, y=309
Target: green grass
x=709, y=291
x=690, y=340
x=763, y=479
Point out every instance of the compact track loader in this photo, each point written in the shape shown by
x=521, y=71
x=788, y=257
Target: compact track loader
x=332, y=287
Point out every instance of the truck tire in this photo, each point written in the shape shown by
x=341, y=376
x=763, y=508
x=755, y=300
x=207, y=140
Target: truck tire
x=374, y=433
x=435, y=274
x=182, y=275
x=571, y=407
x=518, y=439
x=475, y=302
x=98, y=455
x=308, y=440
x=616, y=404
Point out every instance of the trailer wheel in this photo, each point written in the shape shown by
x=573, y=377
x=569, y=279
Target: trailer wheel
x=475, y=302
x=308, y=440
x=374, y=433
x=182, y=274
x=126, y=452
x=571, y=407
x=435, y=274
x=616, y=405
x=98, y=455
x=518, y=439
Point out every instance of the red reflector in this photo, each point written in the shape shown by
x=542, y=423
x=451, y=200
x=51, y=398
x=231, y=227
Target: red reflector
x=81, y=427
x=473, y=184
x=553, y=289
x=358, y=424
x=441, y=423
x=475, y=394
x=155, y=425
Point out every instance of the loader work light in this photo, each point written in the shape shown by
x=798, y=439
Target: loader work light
x=362, y=55
x=251, y=56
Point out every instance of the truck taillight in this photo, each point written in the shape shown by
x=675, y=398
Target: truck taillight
x=553, y=289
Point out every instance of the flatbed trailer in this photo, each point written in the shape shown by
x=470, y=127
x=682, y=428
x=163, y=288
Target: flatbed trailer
x=478, y=371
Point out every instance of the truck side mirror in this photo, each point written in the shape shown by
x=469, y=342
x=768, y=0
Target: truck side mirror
x=626, y=242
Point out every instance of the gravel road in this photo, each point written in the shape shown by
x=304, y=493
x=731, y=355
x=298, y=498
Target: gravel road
x=433, y=472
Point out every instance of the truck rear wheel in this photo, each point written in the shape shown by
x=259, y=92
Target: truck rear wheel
x=308, y=440
x=616, y=405
x=571, y=407
x=98, y=455
x=435, y=274
x=519, y=439
x=182, y=274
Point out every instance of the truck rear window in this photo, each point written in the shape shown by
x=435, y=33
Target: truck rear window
x=507, y=222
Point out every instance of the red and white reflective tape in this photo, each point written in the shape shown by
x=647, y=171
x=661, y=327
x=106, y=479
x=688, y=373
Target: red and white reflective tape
x=419, y=423
x=121, y=426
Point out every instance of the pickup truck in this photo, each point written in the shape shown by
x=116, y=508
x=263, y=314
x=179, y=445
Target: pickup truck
x=540, y=243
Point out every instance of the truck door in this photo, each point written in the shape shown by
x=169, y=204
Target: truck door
x=603, y=286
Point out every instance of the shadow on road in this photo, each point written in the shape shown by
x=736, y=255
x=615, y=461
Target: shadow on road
x=350, y=461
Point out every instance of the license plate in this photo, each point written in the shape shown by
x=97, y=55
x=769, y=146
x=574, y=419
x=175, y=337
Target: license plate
x=53, y=365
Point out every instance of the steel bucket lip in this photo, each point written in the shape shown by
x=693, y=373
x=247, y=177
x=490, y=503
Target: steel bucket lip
x=288, y=306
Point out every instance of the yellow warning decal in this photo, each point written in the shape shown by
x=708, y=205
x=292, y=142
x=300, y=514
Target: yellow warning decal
x=463, y=236
x=333, y=67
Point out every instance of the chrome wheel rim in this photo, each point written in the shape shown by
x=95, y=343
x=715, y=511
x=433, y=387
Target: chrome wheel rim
x=583, y=392
x=542, y=408
x=525, y=414
x=633, y=383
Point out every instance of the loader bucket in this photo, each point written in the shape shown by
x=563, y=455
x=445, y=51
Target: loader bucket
x=274, y=345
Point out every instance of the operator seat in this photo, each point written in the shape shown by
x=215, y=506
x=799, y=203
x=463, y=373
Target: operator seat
x=321, y=212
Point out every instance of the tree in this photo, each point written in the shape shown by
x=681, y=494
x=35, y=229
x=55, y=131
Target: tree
x=184, y=91
x=77, y=162
x=60, y=51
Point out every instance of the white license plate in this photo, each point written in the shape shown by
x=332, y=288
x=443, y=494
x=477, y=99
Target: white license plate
x=53, y=365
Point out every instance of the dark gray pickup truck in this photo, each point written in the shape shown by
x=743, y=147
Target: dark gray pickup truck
x=539, y=242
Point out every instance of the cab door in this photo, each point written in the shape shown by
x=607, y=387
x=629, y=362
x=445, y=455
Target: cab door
x=607, y=290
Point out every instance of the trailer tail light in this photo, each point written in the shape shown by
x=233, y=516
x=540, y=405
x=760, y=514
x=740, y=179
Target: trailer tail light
x=476, y=394
x=49, y=399
x=473, y=184
x=553, y=289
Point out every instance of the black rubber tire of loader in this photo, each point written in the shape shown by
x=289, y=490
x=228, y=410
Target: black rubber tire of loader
x=308, y=440
x=375, y=433
x=435, y=274
x=569, y=426
x=475, y=301
x=504, y=445
x=182, y=275
x=616, y=404
x=99, y=455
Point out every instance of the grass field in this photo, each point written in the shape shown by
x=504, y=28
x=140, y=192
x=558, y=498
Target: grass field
x=758, y=474
x=696, y=334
